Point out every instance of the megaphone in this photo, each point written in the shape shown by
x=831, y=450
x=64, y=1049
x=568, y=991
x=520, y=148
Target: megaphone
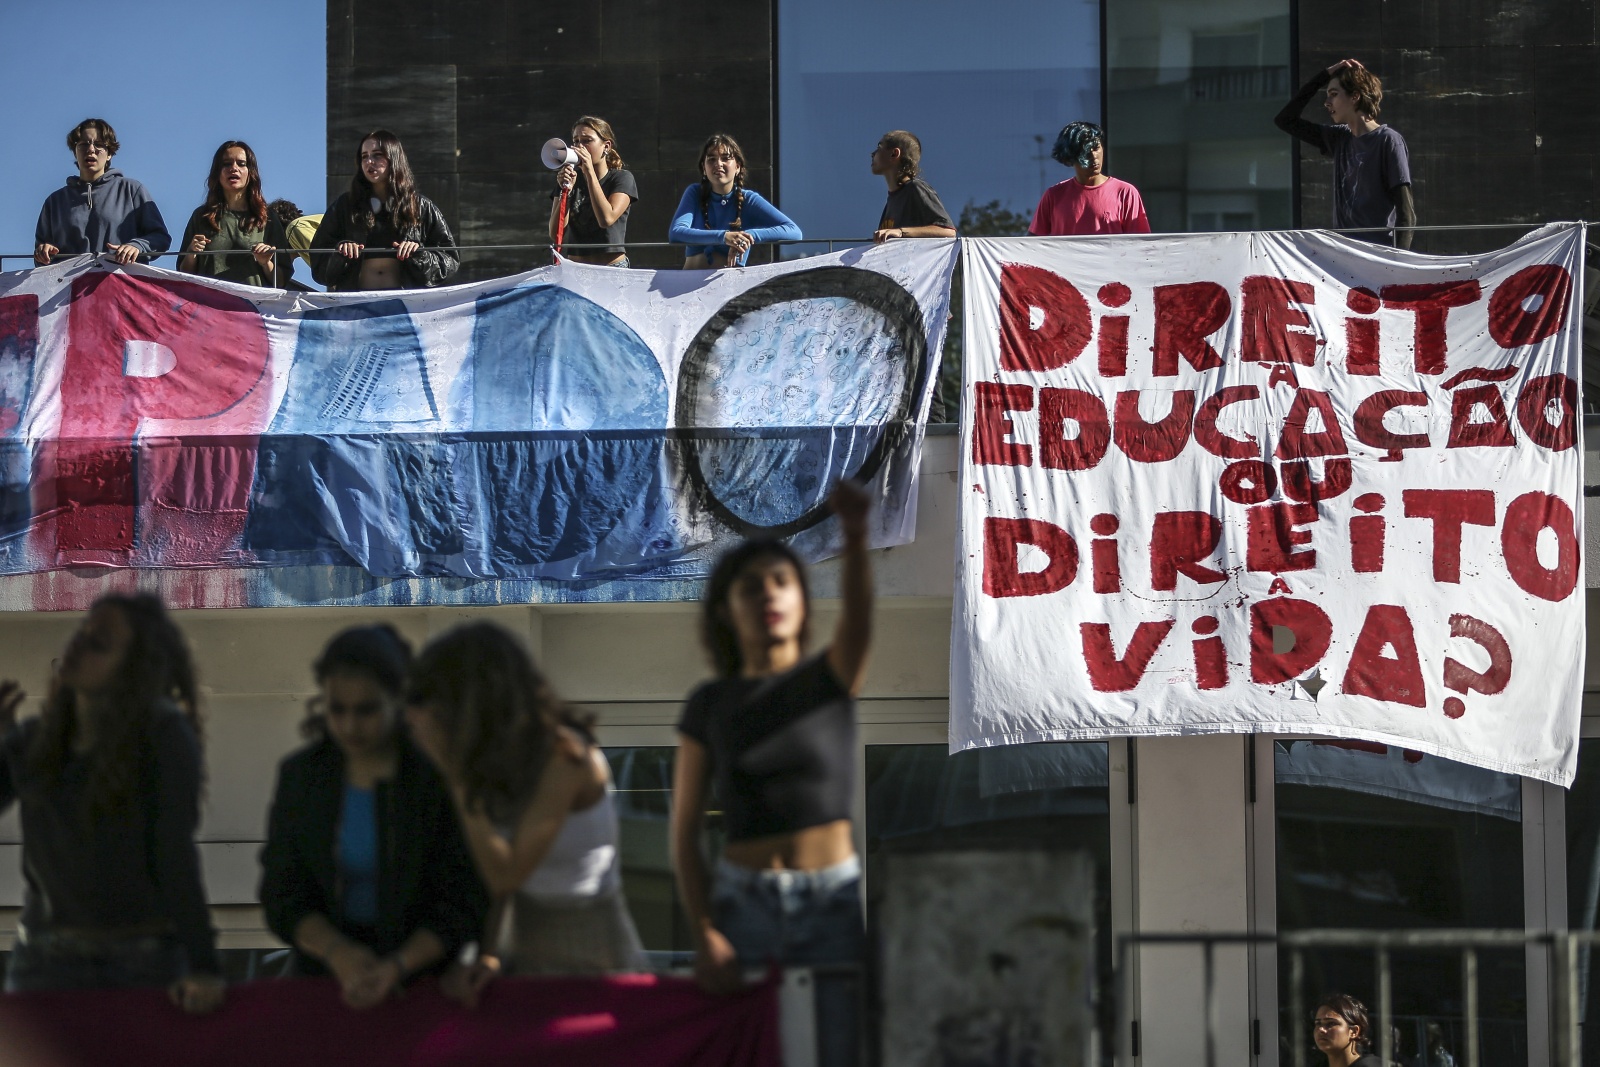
x=556, y=154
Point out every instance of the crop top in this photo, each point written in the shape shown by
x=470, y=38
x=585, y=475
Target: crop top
x=582, y=863
x=782, y=748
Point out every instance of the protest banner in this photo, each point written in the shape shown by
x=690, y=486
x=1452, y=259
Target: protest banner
x=1273, y=482
x=573, y=423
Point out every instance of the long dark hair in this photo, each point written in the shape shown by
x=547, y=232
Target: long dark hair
x=498, y=714
x=402, y=202
x=722, y=140
x=217, y=202
x=155, y=668
x=378, y=652
x=717, y=632
x=1354, y=1014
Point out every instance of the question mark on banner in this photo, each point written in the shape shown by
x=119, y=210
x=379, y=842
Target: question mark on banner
x=1464, y=679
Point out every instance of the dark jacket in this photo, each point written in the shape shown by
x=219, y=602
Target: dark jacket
x=423, y=269
x=137, y=867
x=112, y=210
x=426, y=879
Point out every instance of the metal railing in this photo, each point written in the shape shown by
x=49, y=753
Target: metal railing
x=831, y=244
x=1566, y=981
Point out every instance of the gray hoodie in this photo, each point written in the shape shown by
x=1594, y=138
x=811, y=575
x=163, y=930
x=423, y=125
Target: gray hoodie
x=111, y=210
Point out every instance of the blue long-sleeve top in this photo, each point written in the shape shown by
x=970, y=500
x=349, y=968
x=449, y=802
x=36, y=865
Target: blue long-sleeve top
x=759, y=219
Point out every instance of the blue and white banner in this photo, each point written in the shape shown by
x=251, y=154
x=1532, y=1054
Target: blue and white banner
x=571, y=423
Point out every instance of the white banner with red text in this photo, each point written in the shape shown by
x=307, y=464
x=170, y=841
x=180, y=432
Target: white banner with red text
x=1273, y=483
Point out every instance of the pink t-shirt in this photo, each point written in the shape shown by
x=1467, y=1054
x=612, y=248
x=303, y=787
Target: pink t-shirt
x=1068, y=209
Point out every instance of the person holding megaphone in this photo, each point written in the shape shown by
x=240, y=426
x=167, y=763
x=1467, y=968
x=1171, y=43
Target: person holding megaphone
x=600, y=193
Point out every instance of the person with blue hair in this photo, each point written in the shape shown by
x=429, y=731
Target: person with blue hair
x=1091, y=201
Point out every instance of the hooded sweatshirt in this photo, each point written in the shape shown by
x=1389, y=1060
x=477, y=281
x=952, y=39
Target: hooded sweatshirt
x=111, y=210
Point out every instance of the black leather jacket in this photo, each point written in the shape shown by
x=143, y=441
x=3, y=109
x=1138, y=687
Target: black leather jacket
x=423, y=269
x=426, y=879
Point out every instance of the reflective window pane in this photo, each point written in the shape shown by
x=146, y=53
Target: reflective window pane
x=1371, y=837
x=1583, y=885
x=985, y=86
x=1191, y=93
x=643, y=780
x=921, y=798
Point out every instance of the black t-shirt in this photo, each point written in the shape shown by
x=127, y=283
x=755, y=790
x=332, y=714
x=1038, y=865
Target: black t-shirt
x=584, y=229
x=782, y=748
x=914, y=204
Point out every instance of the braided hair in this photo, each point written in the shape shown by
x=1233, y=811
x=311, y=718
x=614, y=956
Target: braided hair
x=910, y=152
x=722, y=140
x=1076, y=142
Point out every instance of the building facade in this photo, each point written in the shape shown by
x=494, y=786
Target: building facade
x=1195, y=834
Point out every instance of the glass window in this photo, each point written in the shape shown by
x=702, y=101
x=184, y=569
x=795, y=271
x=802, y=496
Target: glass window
x=1371, y=837
x=1191, y=91
x=985, y=87
x=1583, y=884
x=643, y=779
x=919, y=797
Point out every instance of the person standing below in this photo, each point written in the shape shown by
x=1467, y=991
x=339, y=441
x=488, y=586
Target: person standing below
x=1339, y=1028
x=914, y=209
x=1091, y=201
x=383, y=211
x=108, y=778
x=365, y=873
x=100, y=209
x=1371, y=164
x=235, y=217
x=599, y=203
x=731, y=218
x=535, y=799
x=775, y=733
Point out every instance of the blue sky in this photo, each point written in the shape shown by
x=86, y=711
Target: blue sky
x=175, y=78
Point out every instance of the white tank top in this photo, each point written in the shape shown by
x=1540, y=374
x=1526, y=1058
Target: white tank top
x=582, y=863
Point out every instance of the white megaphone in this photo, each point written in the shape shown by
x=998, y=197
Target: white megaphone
x=556, y=154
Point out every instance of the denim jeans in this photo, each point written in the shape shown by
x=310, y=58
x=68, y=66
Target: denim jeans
x=44, y=962
x=801, y=917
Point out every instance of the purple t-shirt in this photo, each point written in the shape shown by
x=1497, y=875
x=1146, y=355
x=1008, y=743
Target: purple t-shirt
x=1366, y=171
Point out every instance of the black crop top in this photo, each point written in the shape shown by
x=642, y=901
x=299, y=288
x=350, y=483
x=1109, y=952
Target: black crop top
x=782, y=747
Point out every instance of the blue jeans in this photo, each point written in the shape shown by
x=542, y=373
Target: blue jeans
x=44, y=962
x=800, y=918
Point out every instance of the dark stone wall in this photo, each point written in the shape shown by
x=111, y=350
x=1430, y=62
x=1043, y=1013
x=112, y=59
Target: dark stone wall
x=473, y=88
x=1496, y=99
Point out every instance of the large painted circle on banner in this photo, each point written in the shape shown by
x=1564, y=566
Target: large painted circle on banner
x=792, y=385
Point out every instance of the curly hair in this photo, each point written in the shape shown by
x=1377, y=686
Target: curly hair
x=1076, y=142
x=217, y=202
x=497, y=712
x=103, y=132
x=155, y=668
x=1365, y=87
x=377, y=652
x=717, y=632
x=1354, y=1014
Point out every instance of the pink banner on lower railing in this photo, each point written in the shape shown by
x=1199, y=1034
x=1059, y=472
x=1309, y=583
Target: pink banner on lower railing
x=552, y=1022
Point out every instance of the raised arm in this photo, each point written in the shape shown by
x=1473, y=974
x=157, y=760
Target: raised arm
x=505, y=864
x=853, y=636
x=1289, y=121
